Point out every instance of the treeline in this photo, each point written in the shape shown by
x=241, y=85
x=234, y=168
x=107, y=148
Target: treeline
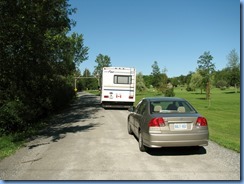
x=37, y=62
x=225, y=78
x=204, y=78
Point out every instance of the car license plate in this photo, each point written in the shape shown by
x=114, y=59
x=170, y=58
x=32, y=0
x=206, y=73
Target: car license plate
x=180, y=126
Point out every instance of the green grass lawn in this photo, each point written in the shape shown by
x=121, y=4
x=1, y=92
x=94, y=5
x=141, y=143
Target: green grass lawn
x=222, y=113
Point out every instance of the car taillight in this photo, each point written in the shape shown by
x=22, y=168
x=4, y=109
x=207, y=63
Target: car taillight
x=201, y=121
x=156, y=122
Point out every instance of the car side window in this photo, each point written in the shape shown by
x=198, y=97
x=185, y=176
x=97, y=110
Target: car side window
x=142, y=107
x=138, y=106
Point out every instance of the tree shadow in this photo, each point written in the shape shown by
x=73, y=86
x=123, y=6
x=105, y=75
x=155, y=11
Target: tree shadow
x=72, y=120
x=36, y=145
x=231, y=92
x=116, y=109
x=198, y=93
x=201, y=98
x=177, y=151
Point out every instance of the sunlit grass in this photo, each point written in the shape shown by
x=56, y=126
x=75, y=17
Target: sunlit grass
x=8, y=146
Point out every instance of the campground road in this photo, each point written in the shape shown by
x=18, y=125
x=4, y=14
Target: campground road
x=87, y=142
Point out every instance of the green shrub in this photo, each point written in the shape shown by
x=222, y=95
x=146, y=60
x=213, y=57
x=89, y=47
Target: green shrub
x=169, y=92
x=25, y=112
x=62, y=94
x=188, y=88
x=11, y=116
x=222, y=84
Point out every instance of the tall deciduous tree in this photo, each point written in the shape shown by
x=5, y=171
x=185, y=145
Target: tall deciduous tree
x=36, y=58
x=156, y=79
x=102, y=61
x=233, y=68
x=159, y=79
x=206, y=68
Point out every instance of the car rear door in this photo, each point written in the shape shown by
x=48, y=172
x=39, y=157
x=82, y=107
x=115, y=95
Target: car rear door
x=139, y=115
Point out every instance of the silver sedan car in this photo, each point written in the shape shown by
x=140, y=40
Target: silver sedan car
x=167, y=122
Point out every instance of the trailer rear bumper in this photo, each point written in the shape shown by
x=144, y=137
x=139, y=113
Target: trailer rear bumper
x=125, y=105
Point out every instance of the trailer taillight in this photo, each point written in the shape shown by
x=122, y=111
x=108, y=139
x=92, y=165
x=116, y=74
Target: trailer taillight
x=131, y=97
x=105, y=96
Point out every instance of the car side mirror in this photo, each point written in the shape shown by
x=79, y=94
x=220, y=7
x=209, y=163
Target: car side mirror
x=131, y=109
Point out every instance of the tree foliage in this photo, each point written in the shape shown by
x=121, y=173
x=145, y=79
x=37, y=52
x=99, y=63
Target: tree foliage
x=159, y=79
x=88, y=81
x=140, y=84
x=156, y=75
x=233, y=59
x=37, y=58
x=169, y=92
x=221, y=84
x=148, y=80
x=102, y=61
x=206, y=68
x=230, y=75
x=196, y=81
x=233, y=68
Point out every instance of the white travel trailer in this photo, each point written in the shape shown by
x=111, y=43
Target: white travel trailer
x=118, y=87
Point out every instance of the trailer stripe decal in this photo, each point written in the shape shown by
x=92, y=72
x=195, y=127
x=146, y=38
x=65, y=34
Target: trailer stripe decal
x=117, y=90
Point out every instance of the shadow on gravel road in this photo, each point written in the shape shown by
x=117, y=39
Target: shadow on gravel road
x=84, y=108
x=177, y=151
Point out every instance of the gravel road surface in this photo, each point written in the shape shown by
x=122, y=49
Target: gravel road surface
x=87, y=142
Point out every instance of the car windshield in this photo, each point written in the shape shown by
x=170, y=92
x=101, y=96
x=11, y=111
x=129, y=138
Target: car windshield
x=171, y=107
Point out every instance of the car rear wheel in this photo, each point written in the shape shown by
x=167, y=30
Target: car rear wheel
x=142, y=148
x=129, y=128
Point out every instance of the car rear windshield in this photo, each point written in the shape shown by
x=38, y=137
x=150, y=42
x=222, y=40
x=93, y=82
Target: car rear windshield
x=171, y=107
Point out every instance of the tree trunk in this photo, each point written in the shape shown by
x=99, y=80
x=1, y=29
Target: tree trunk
x=208, y=91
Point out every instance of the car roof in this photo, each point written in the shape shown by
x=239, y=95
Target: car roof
x=153, y=99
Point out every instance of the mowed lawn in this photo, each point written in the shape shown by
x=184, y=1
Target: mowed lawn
x=222, y=113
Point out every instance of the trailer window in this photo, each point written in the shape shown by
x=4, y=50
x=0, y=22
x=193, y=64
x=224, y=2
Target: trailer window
x=122, y=79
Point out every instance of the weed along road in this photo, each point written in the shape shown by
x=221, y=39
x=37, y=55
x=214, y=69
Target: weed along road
x=87, y=142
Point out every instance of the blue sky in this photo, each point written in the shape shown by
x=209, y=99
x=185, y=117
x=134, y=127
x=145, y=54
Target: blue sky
x=135, y=33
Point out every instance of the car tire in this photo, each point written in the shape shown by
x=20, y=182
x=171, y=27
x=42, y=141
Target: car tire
x=129, y=128
x=142, y=148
